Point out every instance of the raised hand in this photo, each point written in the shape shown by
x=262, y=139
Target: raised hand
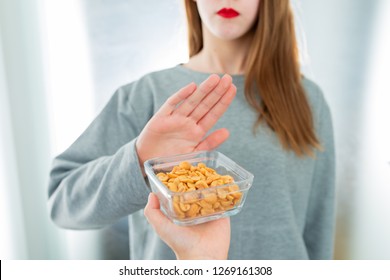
x=209, y=240
x=181, y=124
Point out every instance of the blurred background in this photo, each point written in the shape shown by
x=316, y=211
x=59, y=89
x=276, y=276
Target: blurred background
x=61, y=60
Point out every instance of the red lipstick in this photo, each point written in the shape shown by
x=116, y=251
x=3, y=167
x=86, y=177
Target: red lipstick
x=228, y=13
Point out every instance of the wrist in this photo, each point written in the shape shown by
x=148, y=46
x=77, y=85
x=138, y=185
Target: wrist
x=141, y=160
x=195, y=256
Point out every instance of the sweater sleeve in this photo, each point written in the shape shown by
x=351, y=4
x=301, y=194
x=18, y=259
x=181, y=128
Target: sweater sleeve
x=320, y=218
x=98, y=180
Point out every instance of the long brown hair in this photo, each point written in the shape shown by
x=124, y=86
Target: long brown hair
x=273, y=84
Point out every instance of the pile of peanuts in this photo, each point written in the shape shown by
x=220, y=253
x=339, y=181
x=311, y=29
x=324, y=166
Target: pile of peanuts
x=185, y=178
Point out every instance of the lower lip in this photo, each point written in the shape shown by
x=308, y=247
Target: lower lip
x=228, y=14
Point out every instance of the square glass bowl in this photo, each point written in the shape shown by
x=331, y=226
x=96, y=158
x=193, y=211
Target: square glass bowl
x=200, y=205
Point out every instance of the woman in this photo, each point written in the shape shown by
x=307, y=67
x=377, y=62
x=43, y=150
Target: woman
x=280, y=130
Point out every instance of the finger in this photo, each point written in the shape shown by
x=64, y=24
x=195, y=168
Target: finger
x=155, y=217
x=213, y=140
x=212, y=98
x=194, y=99
x=153, y=202
x=212, y=116
x=172, y=102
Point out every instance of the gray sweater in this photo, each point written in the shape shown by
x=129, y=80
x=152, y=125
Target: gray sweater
x=289, y=211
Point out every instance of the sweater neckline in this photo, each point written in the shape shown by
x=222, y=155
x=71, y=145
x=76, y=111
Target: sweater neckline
x=181, y=67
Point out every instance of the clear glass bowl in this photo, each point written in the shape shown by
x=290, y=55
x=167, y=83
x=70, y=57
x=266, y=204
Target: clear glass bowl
x=203, y=205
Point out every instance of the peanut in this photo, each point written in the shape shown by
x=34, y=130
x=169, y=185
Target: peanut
x=186, y=178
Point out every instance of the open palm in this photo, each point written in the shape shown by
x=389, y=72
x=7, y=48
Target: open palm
x=182, y=123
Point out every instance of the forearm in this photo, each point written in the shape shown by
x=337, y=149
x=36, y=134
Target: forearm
x=99, y=192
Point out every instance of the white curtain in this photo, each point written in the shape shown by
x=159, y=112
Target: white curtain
x=370, y=221
x=26, y=230
x=12, y=233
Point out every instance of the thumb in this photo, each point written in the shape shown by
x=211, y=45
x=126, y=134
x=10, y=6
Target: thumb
x=154, y=215
x=213, y=140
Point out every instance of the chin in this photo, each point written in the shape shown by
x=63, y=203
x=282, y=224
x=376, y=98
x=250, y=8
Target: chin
x=227, y=32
